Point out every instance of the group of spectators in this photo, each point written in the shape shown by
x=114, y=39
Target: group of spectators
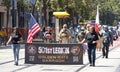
x=87, y=37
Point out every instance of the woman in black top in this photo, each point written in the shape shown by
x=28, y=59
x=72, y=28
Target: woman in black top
x=92, y=39
x=15, y=39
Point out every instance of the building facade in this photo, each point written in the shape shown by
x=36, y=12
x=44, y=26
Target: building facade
x=3, y=16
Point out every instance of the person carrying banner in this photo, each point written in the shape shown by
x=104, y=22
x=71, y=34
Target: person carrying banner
x=80, y=37
x=15, y=38
x=91, y=38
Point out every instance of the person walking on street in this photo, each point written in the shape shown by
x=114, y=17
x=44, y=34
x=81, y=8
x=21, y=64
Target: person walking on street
x=107, y=40
x=64, y=35
x=80, y=37
x=48, y=35
x=91, y=38
x=74, y=34
x=15, y=38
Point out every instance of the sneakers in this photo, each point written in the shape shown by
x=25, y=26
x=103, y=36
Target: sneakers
x=92, y=65
x=16, y=64
x=105, y=57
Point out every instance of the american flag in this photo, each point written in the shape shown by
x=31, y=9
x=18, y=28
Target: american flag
x=34, y=28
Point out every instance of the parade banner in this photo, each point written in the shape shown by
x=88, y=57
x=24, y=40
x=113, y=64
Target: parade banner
x=53, y=53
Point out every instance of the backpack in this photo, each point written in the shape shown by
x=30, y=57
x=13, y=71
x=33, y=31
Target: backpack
x=106, y=37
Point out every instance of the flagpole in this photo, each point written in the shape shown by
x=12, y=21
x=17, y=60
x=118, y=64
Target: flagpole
x=97, y=20
x=31, y=14
x=97, y=15
x=34, y=28
x=34, y=7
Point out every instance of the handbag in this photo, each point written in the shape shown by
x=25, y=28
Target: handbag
x=85, y=46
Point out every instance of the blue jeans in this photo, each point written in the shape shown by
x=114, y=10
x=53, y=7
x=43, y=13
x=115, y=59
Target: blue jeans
x=92, y=54
x=16, y=48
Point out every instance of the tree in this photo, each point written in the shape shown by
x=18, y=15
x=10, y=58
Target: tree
x=109, y=11
x=87, y=9
x=22, y=6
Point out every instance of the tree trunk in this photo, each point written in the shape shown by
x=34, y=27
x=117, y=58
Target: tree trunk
x=44, y=11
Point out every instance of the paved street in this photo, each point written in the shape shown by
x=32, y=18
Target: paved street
x=112, y=64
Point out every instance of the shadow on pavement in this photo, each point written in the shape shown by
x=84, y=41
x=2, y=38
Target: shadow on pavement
x=52, y=70
x=9, y=61
x=25, y=66
x=113, y=58
x=103, y=66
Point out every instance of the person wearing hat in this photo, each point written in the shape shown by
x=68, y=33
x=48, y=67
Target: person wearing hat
x=15, y=38
x=48, y=35
x=107, y=40
x=64, y=35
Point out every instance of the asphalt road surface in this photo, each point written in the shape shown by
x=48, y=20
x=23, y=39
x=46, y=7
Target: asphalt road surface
x=112, y=64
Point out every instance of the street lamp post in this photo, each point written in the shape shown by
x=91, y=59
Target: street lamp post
x=59, y=15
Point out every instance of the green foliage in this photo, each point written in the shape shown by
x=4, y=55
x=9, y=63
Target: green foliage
x=109, y=9
x=6, y=3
